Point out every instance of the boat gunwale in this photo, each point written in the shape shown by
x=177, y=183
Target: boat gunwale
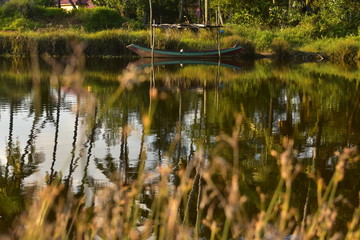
x=187, y=53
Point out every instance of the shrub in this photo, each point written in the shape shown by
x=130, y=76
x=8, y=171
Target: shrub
x=132, y=24
x=18, y=8
x=281, y=49
x=264, y=39
x=45, y=3
x=21, y=24
x=101, y=18
x=249, y=47
x=51, y=13
x=345, y=51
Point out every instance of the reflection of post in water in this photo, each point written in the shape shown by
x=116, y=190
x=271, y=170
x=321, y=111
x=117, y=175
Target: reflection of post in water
x=318, y=162
x=10, y=139
x=72, y=167
x=90, y=143
x=352, y=117
x=179, y=126
x=124, y=152
x=289, y=116
x=36, y=78
x=204, y=126
x=52, y=171
x=217, y=82
x=271, y=116
x=193, y=130
x=29, y=144
x=286, y=128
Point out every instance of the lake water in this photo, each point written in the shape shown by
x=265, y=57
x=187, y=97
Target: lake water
x=84, y=120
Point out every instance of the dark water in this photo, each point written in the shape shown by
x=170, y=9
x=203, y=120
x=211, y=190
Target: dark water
x=77, y=122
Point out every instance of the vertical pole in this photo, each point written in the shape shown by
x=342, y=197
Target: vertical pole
x=218, y=31
x=150, y=24
x=206, y=12
x=153, y=41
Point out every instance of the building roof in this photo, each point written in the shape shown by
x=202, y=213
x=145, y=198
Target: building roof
x=88, y=3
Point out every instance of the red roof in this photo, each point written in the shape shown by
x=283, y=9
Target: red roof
x=88, y=3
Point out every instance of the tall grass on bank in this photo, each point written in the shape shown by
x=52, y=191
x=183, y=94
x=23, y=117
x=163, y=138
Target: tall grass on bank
x=342, y=50
x=109, y=43
x=114, y=42
x=303, y=37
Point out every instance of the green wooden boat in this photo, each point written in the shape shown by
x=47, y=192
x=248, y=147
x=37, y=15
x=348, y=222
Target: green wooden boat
x=146, y=52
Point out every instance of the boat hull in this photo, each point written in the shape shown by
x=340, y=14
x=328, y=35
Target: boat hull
x=146, y=52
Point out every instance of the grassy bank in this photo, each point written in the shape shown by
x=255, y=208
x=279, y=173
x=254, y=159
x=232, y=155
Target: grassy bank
x=105, y=43
x=114, y=42
x=26, y=26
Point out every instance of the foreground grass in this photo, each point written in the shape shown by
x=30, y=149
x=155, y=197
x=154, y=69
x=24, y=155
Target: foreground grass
x=220, y=207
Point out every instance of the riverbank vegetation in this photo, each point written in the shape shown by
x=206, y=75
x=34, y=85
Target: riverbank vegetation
x=282, y=27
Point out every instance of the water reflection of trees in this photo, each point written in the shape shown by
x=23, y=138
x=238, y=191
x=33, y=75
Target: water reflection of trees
x=281, y=102
x=14, y=91
x=318, y=110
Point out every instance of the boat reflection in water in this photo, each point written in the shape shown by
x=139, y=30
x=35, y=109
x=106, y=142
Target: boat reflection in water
x=147, y=62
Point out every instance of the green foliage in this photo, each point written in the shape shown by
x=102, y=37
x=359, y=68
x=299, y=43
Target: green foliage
x=346, y=51
x=22, y=24
x=281, y=48
x=99, y=18
x=249, y=47
x=132, y=24
x=337, y=18
x=18, y=8
x=51, y=13
x=45, y=3
x=264, y=39
x=340, y=50
x=281, y=16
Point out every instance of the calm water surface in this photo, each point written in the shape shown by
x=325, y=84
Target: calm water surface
x=83, y=124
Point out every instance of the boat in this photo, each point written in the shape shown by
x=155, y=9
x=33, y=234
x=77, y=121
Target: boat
x=146, y=52
x=147, y=62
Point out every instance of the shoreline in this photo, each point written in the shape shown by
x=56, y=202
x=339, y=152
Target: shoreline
x=112, y=43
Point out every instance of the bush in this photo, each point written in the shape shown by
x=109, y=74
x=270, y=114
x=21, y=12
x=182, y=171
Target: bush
x=281, y=48
x=22, y=24
x=18, y=8
x=51, y=13
x=264, y=39
x=100, y=18
x=45, y=3
x=346, y=51
x=249, y=47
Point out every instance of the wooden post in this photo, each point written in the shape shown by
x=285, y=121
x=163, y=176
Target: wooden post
x=181, y=11
x=218, y=31
x=152, y=40
x=206, y=12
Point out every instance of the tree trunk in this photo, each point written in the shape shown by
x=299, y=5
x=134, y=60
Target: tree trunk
x=72, y=4
x=181, y=11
